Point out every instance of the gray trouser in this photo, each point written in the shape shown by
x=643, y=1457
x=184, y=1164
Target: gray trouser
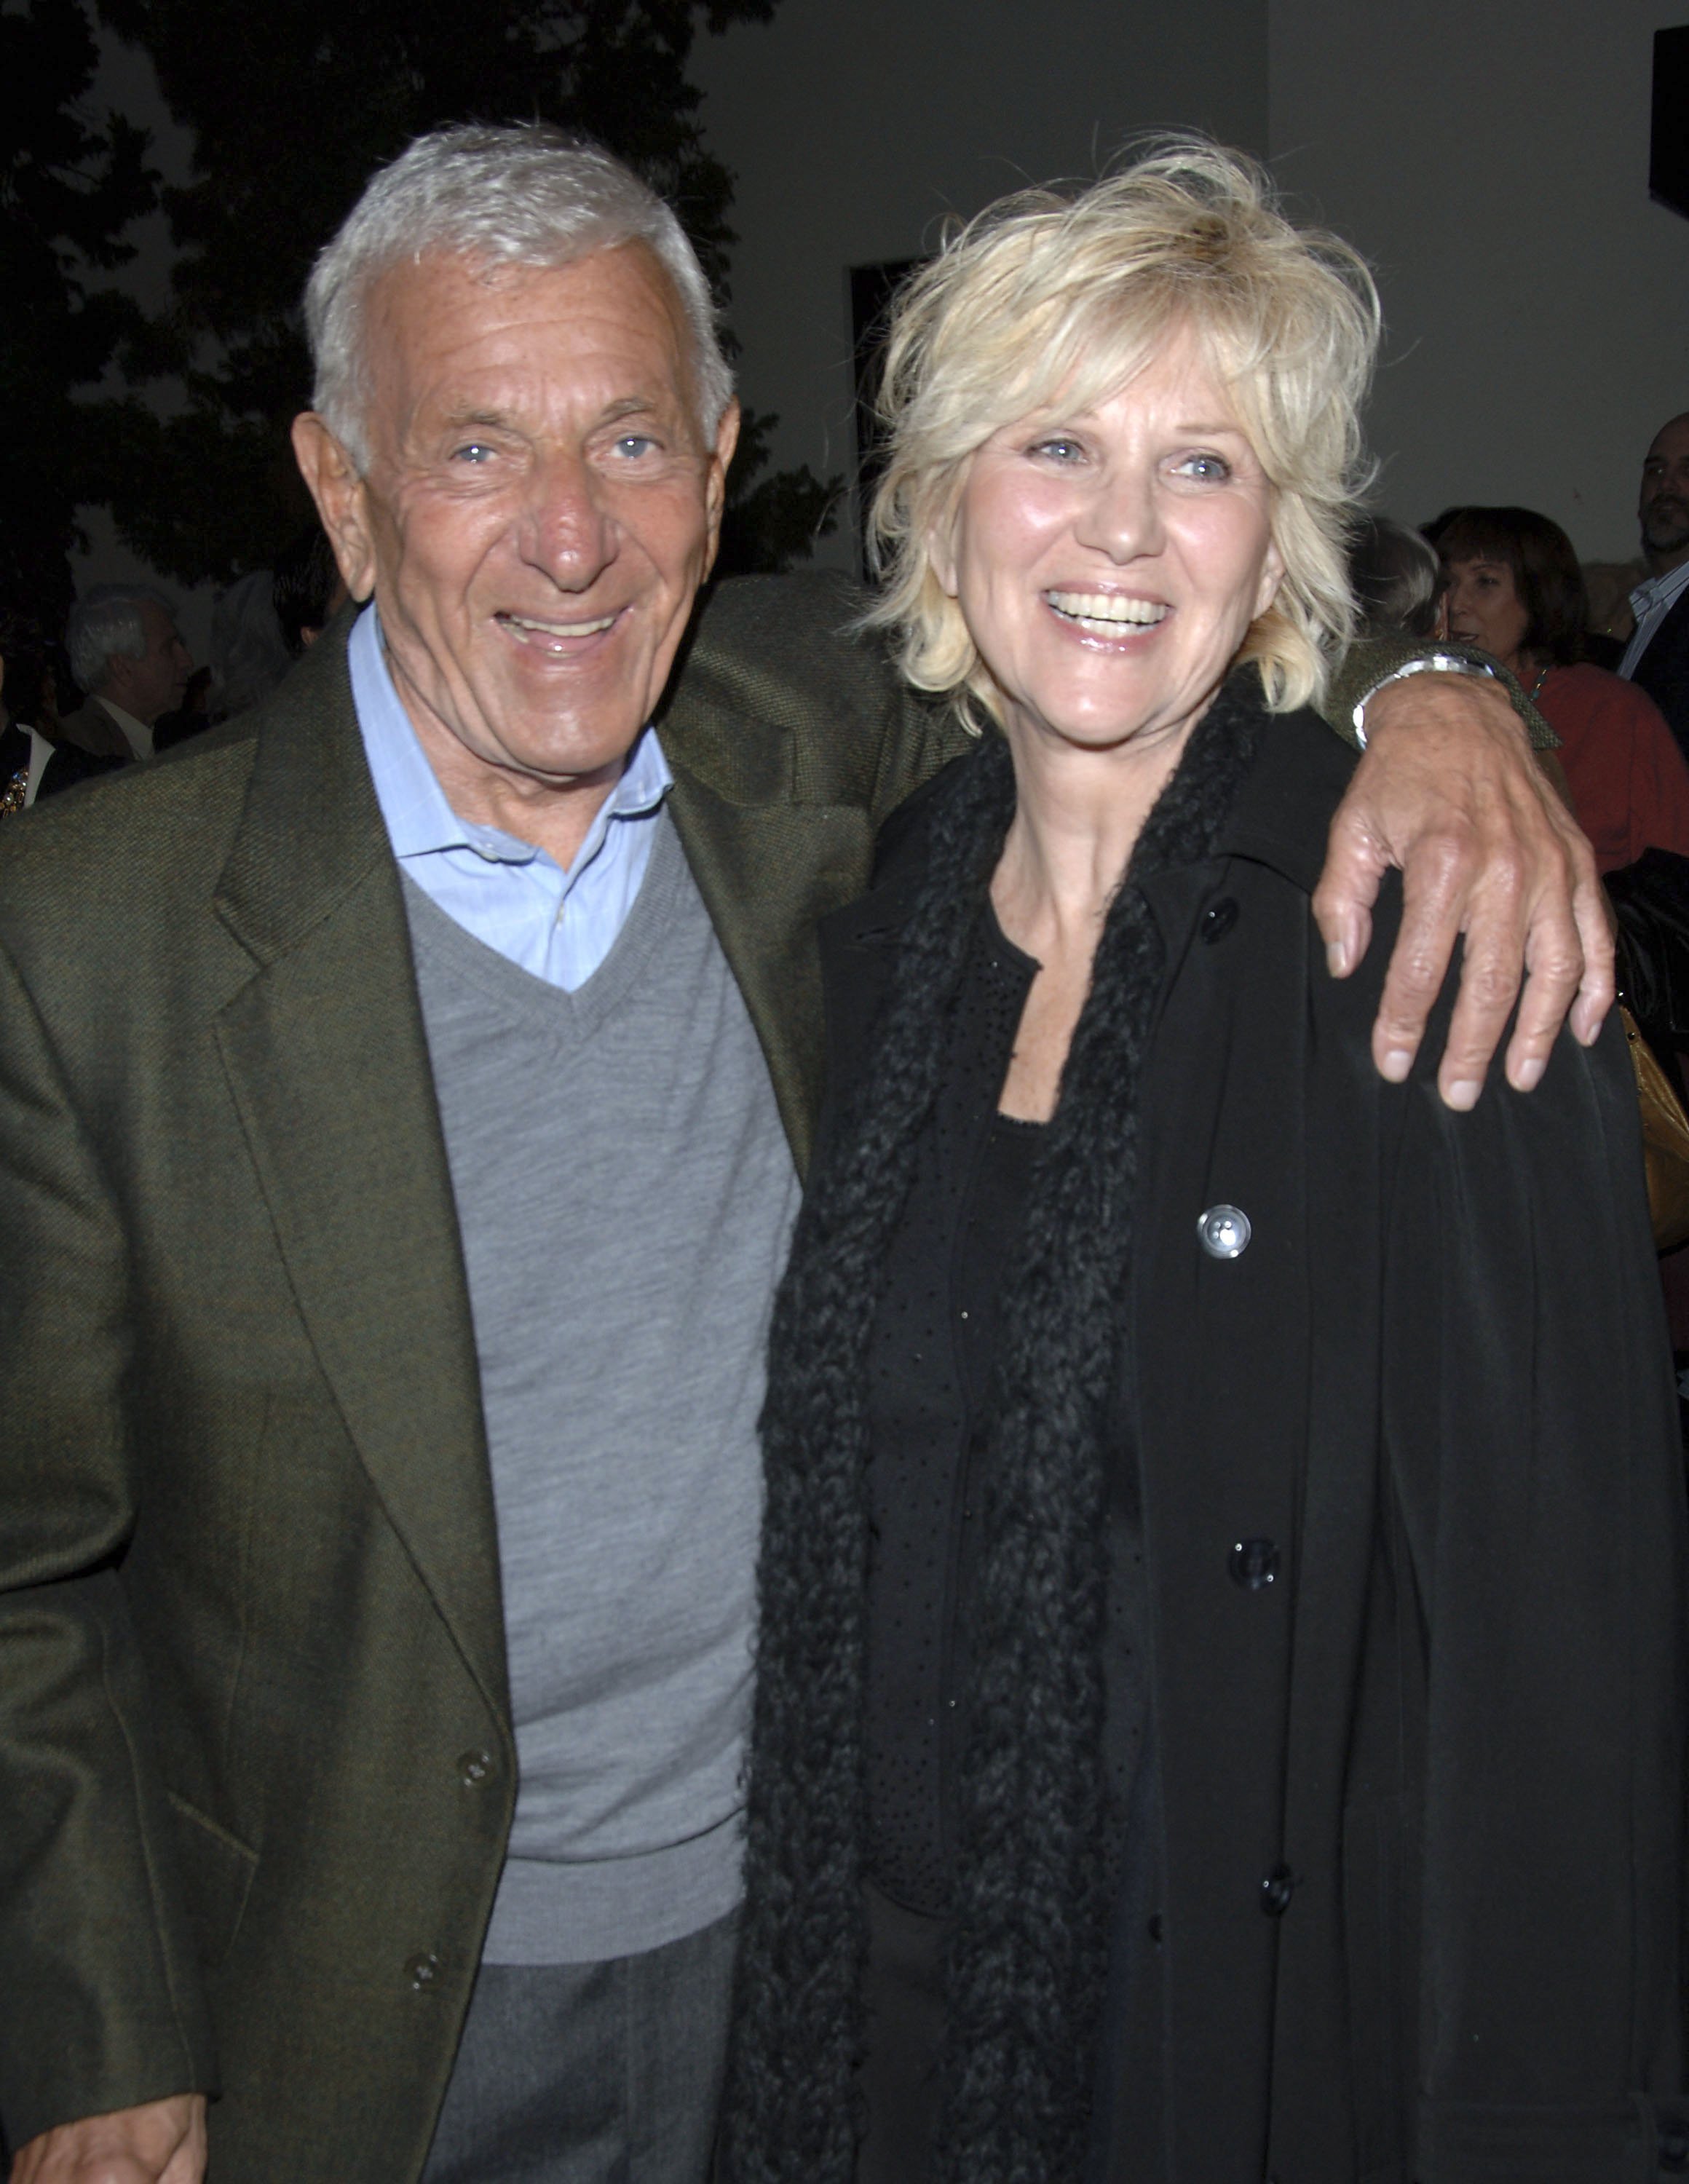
x=591, y=2073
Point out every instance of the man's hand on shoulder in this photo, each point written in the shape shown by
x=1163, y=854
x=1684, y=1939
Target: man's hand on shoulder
x=1450, y=791
x=161, y=2142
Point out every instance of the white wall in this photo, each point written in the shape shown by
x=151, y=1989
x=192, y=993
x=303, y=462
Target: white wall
x=855, y=125
x=1491, y=159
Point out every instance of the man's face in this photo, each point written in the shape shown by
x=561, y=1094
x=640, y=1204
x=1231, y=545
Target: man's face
x=539, y=510
x=156, y=682
x=1663, y=506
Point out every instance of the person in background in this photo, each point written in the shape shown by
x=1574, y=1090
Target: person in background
x=307, y=588
x=28, y=712
x=1514, y=587
x=1657, y=658
x=127, y=653
x=190, y=718
x=15, y=756
x=1396, y=579
x=248, y=656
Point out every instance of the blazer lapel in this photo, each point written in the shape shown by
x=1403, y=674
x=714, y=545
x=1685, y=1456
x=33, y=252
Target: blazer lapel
x=328, y=1063
x=767, y=873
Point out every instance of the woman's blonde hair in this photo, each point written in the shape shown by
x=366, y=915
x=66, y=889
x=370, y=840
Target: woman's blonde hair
x=1045, y=298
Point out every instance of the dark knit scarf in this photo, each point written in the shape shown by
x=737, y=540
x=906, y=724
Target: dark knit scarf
x=1026, y=1961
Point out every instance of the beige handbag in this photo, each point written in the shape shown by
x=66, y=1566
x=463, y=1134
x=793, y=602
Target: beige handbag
x=1665, y=1142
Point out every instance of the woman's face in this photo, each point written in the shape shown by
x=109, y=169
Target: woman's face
x=1484, y=607
x=1109, y=561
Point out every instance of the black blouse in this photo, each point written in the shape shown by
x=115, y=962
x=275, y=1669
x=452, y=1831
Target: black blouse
x=938, y=1331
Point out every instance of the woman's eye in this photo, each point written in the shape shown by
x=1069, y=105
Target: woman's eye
x=1209, y=469
x=1058, y=450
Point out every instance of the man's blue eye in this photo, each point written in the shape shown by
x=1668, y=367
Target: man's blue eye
x=472, y=451
x=634, y=444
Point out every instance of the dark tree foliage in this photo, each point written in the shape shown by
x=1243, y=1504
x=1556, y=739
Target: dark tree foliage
x=292, y=106
x=71, y=184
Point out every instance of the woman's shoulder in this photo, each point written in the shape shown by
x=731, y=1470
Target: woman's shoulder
x=1285, y=804
x=1598, y=687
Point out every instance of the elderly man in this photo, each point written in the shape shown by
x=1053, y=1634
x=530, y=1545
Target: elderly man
x=402, y=1101
x=1657, y=658
x=127, y=653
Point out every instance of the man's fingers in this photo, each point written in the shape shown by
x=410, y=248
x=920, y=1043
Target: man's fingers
x=1355, y=862
x=1597, y=987
x=158, y=2142
x=1434, y=887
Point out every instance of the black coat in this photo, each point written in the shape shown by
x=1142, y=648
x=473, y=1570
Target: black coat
x=1413, y=1522
x=1662, y=670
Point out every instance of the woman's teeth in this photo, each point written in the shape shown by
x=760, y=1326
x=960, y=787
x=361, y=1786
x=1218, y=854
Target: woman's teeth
x=1106, y=610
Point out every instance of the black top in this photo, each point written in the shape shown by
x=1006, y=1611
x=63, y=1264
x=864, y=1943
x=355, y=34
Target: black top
x=935, y=1342
x=938, y=1334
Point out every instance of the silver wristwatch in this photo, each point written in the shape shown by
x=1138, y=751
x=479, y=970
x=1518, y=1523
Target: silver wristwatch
x=1427, y=663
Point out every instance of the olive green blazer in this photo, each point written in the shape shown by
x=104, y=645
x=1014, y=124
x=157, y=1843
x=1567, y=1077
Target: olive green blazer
x=256, y=1763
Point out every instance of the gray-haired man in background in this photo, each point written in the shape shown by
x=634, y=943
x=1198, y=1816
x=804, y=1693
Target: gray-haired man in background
x=402, y=1101
x=127, y=653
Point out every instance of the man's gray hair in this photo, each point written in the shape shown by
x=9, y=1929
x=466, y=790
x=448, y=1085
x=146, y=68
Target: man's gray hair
x=105, y=625
x=525, y=195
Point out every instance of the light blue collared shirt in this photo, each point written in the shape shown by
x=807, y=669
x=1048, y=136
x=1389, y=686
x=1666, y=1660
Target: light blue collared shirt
x=558, y=925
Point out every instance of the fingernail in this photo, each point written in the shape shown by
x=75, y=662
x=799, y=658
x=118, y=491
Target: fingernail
x=1462, y=1096
x=1337, y=958
x=1528, y=1076
x=1397, y=1064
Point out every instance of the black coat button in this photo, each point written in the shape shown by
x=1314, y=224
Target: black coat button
x=1218, y=919
x=1276, y=1891
x=473, y=1769
x=1254, y=1564
x=423, y=1972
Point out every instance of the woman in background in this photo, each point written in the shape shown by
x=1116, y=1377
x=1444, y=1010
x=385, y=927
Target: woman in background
x=1217, y=1703
x=1514, y=587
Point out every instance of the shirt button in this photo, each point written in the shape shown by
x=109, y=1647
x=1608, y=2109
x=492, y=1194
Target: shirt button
x=1254, y=1564
x=473, y=1767
x=1276, y=1890
x=423, y=1972
x=1225, y=1231
x=1219, y=919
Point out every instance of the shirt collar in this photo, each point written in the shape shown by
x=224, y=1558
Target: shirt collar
x=135, y=733
x=418, y=818
x=1658, y=591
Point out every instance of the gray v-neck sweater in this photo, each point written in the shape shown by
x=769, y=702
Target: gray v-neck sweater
x=625, y=1193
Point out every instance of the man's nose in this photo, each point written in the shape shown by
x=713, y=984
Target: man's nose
x=568, y=530
x=1122, y=515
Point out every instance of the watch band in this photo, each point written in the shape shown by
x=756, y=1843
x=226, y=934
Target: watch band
x=1426, y=663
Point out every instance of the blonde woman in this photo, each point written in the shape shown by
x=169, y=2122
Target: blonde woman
x=1218, y=1703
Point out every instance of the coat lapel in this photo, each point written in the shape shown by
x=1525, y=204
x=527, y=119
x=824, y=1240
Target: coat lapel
x=767, y=872
x=328, y=1063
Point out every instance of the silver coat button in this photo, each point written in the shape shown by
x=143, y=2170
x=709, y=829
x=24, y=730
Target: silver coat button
x=1224, y=1231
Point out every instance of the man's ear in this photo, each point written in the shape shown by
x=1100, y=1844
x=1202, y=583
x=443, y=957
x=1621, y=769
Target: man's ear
x=341, y=500
x=716, y=479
